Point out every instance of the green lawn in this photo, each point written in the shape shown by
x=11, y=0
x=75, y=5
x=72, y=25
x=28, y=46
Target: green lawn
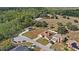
x=43, y=41
x=37, y=49
x=29, y=44
x=34, y=33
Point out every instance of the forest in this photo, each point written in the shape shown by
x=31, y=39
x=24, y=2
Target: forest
x=14, y=20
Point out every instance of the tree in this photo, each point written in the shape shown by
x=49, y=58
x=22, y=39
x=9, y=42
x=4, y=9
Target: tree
x=62, y=30
x=1, y=37
x=76, y=21
x=41, y=24
x=59, y=24
x=44, y=24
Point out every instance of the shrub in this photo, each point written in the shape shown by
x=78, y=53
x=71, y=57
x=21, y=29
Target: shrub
x=76, y=21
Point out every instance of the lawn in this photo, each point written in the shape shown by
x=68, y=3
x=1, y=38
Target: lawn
x=29, y=44
x=37, y=49
x=43, y=41
x=34, y=33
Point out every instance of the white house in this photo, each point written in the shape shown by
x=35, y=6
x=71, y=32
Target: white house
x=52, y=36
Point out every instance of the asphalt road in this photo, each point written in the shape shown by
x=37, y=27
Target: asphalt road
x=45, y=48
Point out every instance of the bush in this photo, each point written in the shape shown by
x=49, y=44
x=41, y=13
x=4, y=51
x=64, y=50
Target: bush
x=74, y=28
x=56, y=17
x=59, y=24
x=65, y=48
x=64, y=16
x=68, y=18
x=41, y=24
x=76, y=21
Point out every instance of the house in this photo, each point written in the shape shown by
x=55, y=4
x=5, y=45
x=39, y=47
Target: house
x=73, y=44
x=51, y=36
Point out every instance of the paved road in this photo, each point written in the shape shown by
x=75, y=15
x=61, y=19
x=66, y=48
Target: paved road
x=45, y=48
x=20, y=48
x=37, y=44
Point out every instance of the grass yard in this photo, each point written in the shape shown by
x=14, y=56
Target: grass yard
x=34, y=33
x=43, y=41
x=37, y=49
x=29, y=44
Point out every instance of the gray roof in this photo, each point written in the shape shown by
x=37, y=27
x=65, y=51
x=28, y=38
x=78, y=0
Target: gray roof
x=20, y=38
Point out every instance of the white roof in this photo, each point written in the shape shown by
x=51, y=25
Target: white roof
x=56, y=36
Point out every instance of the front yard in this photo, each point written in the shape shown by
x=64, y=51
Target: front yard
x=43, y=41
x=37, y=49
x=33, y=33
x=28, y=44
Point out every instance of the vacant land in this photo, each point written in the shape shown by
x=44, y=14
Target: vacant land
x=34, y=33
x=53, y=22
x=60, y=47
x=6, y=45
x=74, y=35
x=43, y=41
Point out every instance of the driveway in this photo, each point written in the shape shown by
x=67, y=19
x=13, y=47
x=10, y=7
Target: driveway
x=46, y=48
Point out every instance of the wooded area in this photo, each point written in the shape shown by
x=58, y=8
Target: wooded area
x=14, y=20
